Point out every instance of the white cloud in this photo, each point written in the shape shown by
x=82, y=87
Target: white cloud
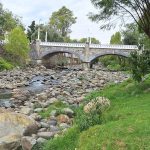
x=31, y=10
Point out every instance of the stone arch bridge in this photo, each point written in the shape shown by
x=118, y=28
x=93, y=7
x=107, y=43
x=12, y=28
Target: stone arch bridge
x=86, y=52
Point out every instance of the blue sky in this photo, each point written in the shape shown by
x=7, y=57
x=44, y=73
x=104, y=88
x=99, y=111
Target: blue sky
x=31, y=10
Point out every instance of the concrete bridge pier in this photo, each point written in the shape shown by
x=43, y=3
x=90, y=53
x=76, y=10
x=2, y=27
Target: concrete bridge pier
x=86, y=65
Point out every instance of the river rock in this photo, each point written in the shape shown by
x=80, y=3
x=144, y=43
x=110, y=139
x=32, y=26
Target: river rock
x=63, y=119
x=69, y=112
x=27, y=142
x=46, y=135
x=26, y=110
x=41, y=140
x=12, y=127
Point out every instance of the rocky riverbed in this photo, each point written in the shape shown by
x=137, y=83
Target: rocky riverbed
x=30, y=91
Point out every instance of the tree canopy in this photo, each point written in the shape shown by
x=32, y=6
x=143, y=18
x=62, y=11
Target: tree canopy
x=62, y=20
x=31, y=30
x=110, y=10
x=133, y=36
x=8, y=21
x=116, y=38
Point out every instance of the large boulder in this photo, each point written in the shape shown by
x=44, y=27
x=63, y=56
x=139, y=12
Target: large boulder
x=12, y=127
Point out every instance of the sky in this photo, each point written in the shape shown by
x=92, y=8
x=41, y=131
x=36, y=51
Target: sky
x=30, y=10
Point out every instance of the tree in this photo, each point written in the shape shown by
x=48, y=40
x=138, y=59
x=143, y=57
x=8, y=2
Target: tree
x=116, y=38
x=93, y=40
x=111, y=10
x=7, y=21
x=31, y=30
x=18, y=45
x=62, y=20
x=133, y=36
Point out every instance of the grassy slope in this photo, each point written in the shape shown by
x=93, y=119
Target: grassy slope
x=126, y=125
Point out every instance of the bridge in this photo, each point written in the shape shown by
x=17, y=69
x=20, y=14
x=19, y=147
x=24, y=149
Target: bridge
x=86, y=52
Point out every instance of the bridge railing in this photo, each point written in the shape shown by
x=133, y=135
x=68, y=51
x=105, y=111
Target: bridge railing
x=123, y=47
x=95, y=46
x=57, y=44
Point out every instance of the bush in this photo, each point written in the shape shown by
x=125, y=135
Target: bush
x=84, y=120
x=17, y=46
x=5, y=65
x=140, y=64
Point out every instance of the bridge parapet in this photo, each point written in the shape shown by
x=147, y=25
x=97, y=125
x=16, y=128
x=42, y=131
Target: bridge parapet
x=58, y=44
x=120, y=47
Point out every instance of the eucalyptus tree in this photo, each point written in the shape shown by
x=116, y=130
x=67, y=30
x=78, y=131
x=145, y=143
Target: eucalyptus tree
x=111, y=10
x=62, y=20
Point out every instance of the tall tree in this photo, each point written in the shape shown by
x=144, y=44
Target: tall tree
x=62, y=20
x=31, y=30
x=116, y=38
x=111, y=10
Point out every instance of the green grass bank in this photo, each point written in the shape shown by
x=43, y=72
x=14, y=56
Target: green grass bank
x=125, y=126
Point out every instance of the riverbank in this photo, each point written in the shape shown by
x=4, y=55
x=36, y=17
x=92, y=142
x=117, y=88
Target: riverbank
x=124, y=126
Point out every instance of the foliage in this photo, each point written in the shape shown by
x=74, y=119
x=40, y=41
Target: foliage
x=62, y=20
x=132, y=35
x=68, y=141
x=18, y=45
x=30, y=31
x=126, y=124
x=140, y=64
x=115, y=62
x=5, y=64
x=85, y=120
x=93, y=40
x=8, y=21
x=52, y=34
x=116, y=38
x=111, y=10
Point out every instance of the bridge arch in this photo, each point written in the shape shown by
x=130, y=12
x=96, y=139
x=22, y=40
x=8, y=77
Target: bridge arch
x=54, y=52
x=91, y=59
x=60, y=58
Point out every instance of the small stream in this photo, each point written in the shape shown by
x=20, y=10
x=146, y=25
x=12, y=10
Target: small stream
x=36, y=85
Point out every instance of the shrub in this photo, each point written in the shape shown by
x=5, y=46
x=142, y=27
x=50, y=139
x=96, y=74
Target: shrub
x=5, y=65
x=140, y=64
x=17, y=46
x=84, y=119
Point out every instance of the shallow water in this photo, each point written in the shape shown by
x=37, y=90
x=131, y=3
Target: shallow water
x=36, y=85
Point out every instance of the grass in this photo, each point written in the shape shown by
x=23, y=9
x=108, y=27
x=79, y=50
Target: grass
x=68, y=141
x=125, y=126
x=58, y=106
